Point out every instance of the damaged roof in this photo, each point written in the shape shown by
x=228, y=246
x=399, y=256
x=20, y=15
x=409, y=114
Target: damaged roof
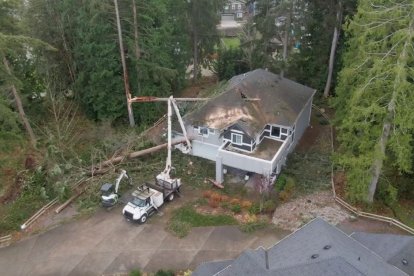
x=281, y=101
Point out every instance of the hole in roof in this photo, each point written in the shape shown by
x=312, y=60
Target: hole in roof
x=326, y=247
x=314, y=256
x=404, y=262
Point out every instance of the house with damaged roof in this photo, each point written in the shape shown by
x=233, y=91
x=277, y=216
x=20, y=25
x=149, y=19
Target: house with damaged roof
x=252, y=125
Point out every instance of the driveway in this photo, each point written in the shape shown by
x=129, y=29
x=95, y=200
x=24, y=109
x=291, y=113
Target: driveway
x=105, y=244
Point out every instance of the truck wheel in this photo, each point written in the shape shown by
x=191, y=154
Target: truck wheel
x=171, y=197
x=143, y=219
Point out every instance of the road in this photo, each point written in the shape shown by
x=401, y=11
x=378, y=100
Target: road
x=105, y=244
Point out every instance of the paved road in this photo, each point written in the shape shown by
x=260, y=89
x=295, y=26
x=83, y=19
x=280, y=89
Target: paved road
x=105, y=243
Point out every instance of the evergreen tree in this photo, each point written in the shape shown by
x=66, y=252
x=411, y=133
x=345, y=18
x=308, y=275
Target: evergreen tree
x=375, y=96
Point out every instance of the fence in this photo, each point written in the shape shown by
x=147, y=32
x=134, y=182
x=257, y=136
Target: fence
x=5, y=240
x=348, y=206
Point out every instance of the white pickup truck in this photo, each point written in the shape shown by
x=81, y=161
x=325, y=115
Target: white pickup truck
x=147, y=198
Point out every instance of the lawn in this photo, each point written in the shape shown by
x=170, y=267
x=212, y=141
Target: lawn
x=186, y=217
x=231, y=42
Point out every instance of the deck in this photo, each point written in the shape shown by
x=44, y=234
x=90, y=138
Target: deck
x=266, y=150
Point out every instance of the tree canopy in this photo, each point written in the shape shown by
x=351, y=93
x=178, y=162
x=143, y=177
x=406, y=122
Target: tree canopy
x=374, y=100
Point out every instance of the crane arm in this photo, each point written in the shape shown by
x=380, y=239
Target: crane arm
x=180, y=120
x=118, y=180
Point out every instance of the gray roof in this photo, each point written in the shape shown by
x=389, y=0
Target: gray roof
x=393, y=248
x=316, y=249
x=211, y=268
x=281, y=101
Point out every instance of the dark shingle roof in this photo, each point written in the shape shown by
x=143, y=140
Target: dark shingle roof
x=393, y=248
x=298, y=249
x=211, y=268
x=281, y=101
x=316, y=249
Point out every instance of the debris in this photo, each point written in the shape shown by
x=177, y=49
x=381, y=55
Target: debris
x=218, y=185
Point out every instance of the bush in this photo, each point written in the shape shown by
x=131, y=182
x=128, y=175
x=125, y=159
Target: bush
x=207, y=194
x=164, y=273
x=290, y=185
x=236, y=208
x=253, y=226
x=135, y=272
x=246, y=204
x=269, y=206
x=213, y=203
x=388, y=194
x=186, y=217
x=180, y=228
x=215, y=197
x=280, y=183
x=225, y=205
x=235, y=201
x=254, y=209
x=284, y=196
x=225, y=198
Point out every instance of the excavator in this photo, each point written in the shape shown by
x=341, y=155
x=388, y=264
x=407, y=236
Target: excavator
x=109, y=191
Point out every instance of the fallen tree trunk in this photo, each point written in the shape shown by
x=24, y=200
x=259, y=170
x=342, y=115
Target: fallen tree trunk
x=115, y=160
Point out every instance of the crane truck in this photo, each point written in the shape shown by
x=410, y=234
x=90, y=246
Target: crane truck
x=148, y=198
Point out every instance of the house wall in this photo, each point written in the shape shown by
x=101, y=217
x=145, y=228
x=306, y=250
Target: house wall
x=302, y=123
x=211, y=138
x=248, y=143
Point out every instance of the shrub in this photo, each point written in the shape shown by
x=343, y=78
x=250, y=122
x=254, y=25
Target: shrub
x=215, y=197
x=213, y=203
x=236, y=208
x=225, y=205
x=135, y=272
x=280, y=183
x=253, y=226
x=254, y=209
x=207, y=194
x=290, y=185
x=164, y=273
x=388, y=194
x=284, y=196
x=235, y=201
x=269, y=206
x=180, y=228
x=225, y=198
x=246, y=204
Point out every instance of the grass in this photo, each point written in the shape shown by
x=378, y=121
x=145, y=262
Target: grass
x=404, y=213
x=231, y=42
x=251, y=227
x=186, y=217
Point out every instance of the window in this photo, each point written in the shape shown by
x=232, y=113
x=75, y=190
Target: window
x=236, y=139
x=203, y=131
x=239, y=15
x=284, y=130
x=211, y=131
x=275, y=132
x=233, y=6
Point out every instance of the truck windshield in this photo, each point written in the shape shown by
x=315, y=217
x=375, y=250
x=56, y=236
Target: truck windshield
x=138, y=202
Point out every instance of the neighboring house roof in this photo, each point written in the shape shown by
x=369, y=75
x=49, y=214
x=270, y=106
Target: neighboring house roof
x=397, y=250
x=318, y=248
x=281, y=101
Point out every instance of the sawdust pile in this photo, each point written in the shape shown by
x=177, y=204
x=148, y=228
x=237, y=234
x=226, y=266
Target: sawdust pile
x=294, y=214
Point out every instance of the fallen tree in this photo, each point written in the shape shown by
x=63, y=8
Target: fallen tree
x=101, y=168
